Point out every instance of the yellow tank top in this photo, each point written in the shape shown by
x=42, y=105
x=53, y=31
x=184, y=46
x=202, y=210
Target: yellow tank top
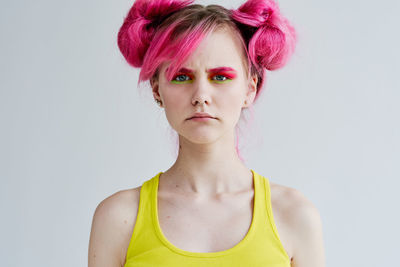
x=260, y=247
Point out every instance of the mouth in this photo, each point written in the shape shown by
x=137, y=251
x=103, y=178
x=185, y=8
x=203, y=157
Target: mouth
x=198, y=117
x=201, y=115
x=201, y=118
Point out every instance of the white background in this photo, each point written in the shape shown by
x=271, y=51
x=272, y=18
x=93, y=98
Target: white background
x=74, y=128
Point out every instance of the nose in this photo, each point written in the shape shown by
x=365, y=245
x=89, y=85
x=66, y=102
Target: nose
x=202, y=91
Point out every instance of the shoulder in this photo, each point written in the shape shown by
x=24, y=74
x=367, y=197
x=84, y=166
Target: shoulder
x=301, y=220
x=112, y=226
x=299, y=211
x=288, y=198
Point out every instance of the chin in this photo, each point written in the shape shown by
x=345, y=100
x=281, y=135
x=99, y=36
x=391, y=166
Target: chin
x=201, y=137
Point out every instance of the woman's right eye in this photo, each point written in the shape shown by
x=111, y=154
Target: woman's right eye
x=180, y=78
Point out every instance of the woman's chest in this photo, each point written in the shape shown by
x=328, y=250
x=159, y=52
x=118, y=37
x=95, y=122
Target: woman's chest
x=205, y=226
x=210, y=226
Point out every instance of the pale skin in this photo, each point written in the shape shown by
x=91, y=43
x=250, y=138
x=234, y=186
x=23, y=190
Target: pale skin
x=207, y=178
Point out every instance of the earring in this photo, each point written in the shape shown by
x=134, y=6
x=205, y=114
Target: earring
x=158, y=102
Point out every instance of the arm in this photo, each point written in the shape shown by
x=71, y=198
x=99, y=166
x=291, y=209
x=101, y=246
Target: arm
x=307, y=238
x=112, y=226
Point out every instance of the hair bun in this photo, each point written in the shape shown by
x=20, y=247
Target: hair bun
x=140, y=24
x=274, y=41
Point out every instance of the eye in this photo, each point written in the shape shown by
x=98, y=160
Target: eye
x=220, y=78
x=181, y=78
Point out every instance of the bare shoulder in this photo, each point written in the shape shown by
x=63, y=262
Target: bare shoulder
x=300, y=225
x=112, y=227
x=290, y=198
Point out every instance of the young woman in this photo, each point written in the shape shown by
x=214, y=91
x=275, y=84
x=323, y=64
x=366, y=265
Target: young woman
x=206, y=66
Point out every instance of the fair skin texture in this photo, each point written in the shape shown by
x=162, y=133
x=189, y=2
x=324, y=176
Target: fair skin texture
x=207, y=178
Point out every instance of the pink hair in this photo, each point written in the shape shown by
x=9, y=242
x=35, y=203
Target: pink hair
x=155, y=31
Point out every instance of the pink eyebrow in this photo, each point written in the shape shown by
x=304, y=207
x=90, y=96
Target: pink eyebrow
x=221, y=69
x=186, y=70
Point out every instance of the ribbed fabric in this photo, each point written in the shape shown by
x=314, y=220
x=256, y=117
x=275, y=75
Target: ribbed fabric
x=260, y=247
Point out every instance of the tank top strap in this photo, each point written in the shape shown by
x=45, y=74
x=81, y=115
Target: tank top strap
x=268, y=218
x=143, y=235
x=259, y=199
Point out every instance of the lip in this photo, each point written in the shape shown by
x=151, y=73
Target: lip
x=201, y=115
x=201, y=119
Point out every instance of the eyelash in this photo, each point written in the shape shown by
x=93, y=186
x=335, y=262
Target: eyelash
x=227, y=78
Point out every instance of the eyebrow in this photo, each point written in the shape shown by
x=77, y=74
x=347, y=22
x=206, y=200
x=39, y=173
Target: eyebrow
x=219, y=69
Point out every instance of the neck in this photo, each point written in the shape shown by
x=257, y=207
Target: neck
x=207, y=169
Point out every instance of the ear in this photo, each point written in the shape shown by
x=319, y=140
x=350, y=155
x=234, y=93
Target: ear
x=155, y=88
x=251, y=91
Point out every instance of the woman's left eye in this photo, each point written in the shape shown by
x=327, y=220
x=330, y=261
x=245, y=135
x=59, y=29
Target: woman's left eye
x=220, y=78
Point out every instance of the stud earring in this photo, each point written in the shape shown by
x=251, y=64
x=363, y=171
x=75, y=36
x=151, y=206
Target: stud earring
x=158, y=102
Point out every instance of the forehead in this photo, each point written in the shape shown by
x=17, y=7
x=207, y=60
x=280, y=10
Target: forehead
x=221, y=47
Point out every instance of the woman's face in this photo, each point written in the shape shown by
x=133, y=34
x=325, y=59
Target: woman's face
x=213, y=80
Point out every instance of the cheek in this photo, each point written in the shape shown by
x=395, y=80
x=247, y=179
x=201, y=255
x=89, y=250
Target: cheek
x=174, y=105
x=231, y=108
x=176, y=99
x=172, y=97
x=233, y=102
x=234, y=97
